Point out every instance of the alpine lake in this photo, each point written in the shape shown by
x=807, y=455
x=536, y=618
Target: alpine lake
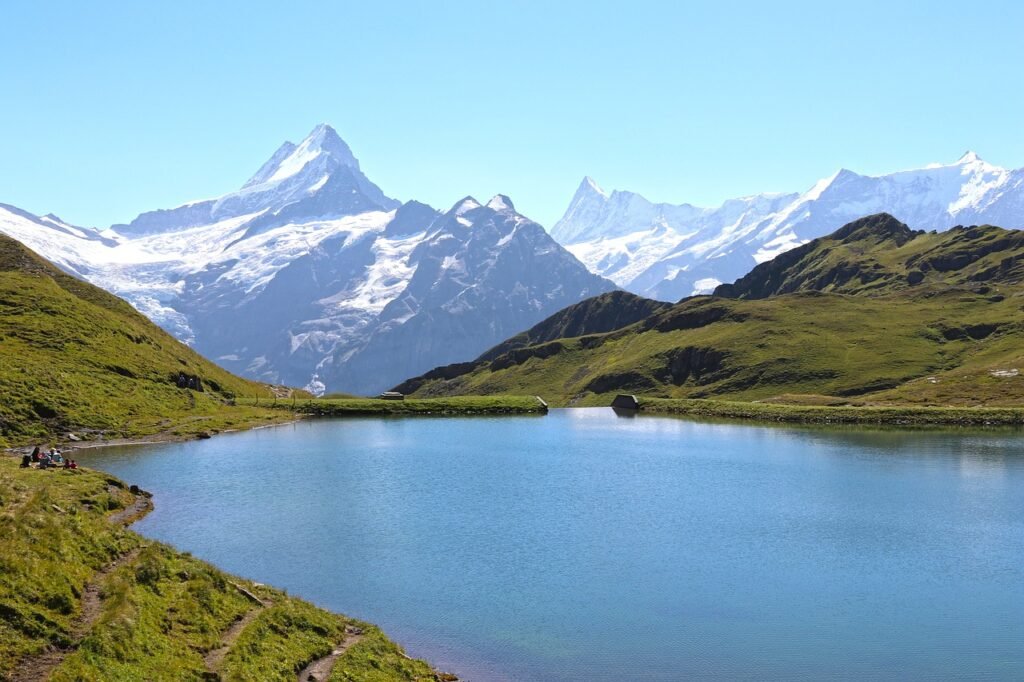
x=592, y=545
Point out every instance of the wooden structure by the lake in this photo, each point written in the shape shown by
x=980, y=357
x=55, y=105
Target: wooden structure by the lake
x=391, y=395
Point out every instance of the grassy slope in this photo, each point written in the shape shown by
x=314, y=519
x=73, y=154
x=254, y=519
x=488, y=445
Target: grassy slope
x=853, y=328
x=77, y=359
x=159, y=612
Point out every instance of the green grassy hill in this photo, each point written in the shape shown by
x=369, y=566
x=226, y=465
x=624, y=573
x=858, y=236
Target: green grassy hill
x=82, y=598
x=879, y=255
x=76, y=359
x=875, y=314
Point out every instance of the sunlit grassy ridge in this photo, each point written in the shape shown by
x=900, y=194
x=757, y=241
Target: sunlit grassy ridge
x=159, y=612
x=74, y=358
x=875, y=314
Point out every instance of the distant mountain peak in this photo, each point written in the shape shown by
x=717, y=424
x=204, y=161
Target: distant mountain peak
x=325, y=138
x=270, y=165
x=323, y=142
x=500, y=202
x=968, y=157
x=589, y=186
x=317, y=178
x=465, y=205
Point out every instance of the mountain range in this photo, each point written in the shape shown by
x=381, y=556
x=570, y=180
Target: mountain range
x=669, y=251
x=309, y=275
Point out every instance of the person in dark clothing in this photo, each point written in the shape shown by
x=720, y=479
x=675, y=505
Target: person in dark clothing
x=26, y=461
x=36, y=452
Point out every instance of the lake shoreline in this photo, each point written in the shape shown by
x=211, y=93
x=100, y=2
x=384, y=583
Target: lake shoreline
x=293, y=411
x=453, y=482
x=905, y=416
x=456, y=406
x=287, y=411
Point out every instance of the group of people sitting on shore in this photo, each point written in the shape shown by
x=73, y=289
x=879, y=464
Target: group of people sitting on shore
x=52, y=459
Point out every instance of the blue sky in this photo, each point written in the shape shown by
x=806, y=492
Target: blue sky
x=109, y=109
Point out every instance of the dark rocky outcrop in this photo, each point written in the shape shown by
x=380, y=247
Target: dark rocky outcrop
x=521, y=355
x=975, y=332
x=693, y=314
x=620, y=381
x=699, y=364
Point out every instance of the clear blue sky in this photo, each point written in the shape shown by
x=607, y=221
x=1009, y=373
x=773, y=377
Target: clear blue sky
x=109, y=109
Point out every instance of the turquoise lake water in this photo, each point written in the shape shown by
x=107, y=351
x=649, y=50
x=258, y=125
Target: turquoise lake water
x=583, y=545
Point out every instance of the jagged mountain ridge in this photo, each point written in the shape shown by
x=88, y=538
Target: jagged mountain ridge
x=667, y=251
x=310, y=275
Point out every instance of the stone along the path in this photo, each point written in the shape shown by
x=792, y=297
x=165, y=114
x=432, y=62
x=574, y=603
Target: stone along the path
x=320, y=669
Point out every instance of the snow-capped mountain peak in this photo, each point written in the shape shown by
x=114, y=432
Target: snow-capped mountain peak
x=306, y=164
x=585, y=215
x=465, y=205
x=317, y=177
x=968, y=157
x=500, y=202
x=271, y=165
x=290, y=159
x=589, y=186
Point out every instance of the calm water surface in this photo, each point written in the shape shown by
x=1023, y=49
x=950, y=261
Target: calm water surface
x=582, y=545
